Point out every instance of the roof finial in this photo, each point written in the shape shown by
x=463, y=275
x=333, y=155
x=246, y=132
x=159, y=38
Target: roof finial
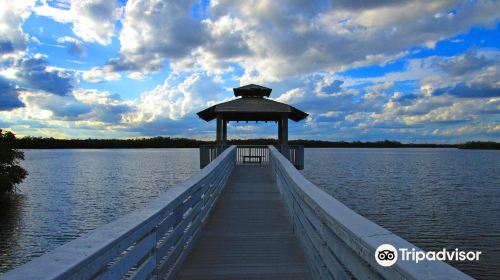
x=252, y=90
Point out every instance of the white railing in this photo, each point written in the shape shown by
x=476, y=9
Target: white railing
x=339, y=243
x=151, y=242
x=253, y=154
x=295, y=155
x=210, y=152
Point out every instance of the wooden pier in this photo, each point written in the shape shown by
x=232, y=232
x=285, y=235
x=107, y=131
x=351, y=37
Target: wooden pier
x=248, y=236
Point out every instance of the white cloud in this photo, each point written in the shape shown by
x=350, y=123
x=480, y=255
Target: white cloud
x=99, y=74
x=293, y=96
x=75, y=46
x=174, y=99
x=468, y=129
x=137, y=76
x=13, y=40
x=68, y=39
x=331, y=114
x=92, y=20
x=272, y=41
x=154, y=30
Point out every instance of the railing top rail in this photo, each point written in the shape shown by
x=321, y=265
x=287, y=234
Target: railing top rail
x=259, y=146
x=363, y=234
x=66, y=260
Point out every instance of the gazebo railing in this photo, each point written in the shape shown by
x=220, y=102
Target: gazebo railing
x=210, y=152
x=295, y=154
x=253, y=154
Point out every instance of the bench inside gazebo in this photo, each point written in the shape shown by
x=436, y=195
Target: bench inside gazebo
x=253, y=105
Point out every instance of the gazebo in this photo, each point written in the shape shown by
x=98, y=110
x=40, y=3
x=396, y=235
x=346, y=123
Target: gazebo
x=253, y=105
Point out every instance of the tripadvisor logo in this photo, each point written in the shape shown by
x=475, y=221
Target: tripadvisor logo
x=387, y=255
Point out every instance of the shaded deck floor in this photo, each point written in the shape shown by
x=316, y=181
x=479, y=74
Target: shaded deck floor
x=248, y=236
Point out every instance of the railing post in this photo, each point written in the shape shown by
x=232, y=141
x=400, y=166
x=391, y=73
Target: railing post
x=285, y=151
x=299, y=157
x=203, y=156
x=155, y=272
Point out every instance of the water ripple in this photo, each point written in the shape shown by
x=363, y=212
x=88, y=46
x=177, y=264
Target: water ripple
x=71, y=192
x=434, y=198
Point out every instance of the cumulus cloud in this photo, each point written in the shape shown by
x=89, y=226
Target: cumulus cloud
x=13, y=40
x=92, y=20
x=468, y=129
x=83, y=105
x=154, y=30
x=469, y=62
x=295, y=95
x=474, y=91
x=34, y=73
x=228, y=37
x=333, y=87
x=272, y=40
x=9, y=96
x=456, y=90
x=75, y=46
x=105, y=107
x=61, y=107
x=439, y=92
x=475, y=74
x=174, y=99
x=100, y=74
x=360, y=4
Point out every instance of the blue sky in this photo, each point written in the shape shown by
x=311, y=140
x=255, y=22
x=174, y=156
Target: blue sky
x=413, y=71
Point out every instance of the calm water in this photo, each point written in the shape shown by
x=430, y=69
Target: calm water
x=70, y=192
x=434, y=198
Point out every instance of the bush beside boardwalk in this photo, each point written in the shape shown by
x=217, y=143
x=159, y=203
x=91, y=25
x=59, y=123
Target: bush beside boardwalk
x=11, y=173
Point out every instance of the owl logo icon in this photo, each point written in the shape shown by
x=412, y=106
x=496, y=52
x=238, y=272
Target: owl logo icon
x=386, y=255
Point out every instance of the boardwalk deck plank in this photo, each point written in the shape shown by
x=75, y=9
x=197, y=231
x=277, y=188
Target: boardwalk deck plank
x=248, y=236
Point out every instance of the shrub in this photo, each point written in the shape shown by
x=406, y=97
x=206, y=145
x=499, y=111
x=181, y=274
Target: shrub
x=11, y=173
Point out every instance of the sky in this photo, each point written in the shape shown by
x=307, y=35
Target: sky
x=412, y=71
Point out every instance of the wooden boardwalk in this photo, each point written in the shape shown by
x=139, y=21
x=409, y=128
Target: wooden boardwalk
x=248, y=236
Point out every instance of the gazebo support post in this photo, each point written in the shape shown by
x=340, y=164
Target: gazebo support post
x=218, y=139
x=284, y=135
x=224, y=132
x=280, y=140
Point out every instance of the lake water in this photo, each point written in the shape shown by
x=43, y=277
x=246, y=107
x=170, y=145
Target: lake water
x=70, y=192
x=434, y=198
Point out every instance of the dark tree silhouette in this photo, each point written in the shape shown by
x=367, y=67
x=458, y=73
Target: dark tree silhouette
x=11, y=173
x=168, y=142
x=481, y=145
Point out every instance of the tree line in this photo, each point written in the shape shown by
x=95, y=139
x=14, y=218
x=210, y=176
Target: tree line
x=168, y=142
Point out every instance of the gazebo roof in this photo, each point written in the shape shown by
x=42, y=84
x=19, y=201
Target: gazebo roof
x=252, y=90
x=252, y=107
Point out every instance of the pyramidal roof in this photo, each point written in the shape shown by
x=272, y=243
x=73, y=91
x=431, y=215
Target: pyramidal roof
x=252, y=90
x=252, y=107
